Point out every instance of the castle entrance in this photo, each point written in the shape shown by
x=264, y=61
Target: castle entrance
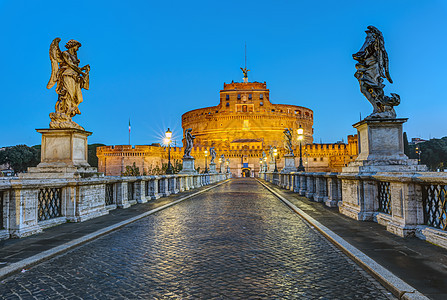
x=246, y=172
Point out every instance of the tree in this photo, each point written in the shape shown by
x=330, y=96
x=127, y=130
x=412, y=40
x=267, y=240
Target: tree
x=406, y=146
x=433, y=153
x=20, y=157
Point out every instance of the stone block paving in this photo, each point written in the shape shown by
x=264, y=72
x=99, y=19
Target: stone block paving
x=236, y=241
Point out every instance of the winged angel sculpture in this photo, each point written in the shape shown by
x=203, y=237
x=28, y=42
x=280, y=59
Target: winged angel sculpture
x=70, y=79
x=372, y=67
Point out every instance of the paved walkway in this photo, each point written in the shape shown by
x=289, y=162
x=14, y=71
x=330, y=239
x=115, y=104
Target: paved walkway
x=234, y=241
x=418, y=263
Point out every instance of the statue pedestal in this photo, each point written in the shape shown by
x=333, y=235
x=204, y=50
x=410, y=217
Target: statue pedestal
x=213, y=168
x=188, y=166
x=381, y=148
x=63, y=154
x=271, y=166
x=289, y=164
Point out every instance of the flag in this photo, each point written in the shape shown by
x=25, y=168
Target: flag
x=129, y=125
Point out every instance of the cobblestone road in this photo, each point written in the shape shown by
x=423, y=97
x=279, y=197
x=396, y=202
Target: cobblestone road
x=236, y=241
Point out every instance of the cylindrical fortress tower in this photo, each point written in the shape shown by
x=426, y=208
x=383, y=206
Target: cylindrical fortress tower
x=245, y=114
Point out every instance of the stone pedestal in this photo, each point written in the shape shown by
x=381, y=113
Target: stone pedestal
x=289, y=164
x=271, y=166
x=63, y=155
x=381, y=148
x=213, y=168
x=188, y=166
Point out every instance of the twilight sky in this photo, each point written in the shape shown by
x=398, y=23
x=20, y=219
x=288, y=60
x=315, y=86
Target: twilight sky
x=151, y=61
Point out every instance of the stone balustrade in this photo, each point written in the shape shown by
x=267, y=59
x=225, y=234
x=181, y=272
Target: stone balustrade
x=27, y=206
x=407, y=203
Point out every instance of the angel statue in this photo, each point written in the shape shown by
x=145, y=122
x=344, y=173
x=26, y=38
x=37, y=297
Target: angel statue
x=372, y=67
x=271, y=156
x=288, y=140
x=70, y=79
x=213, y=155
x=189, y=143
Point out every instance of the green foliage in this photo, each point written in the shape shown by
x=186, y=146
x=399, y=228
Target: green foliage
x=132, y=171
x=92, y=158
x=433, y=153
x=177, y=166
x=20, y=157
x=406, y=145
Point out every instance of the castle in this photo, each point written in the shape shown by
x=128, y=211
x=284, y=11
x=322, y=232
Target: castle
x=242, y=126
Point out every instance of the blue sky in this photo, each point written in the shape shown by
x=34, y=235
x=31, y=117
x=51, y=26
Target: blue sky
x=151, y=61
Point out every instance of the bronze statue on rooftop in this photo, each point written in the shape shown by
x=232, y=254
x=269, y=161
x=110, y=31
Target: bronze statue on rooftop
x=372, y=67
x=70, y=79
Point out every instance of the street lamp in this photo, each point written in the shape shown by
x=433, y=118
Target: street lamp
x=275, y=153
x=418, y=152
x=260, y=165
x=228, y=165
x=206, y=166
x=300, y=138
x=220, y=164
x=168, y=137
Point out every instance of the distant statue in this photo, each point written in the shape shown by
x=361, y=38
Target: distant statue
x=245, y=71
x=70, y=79
x=189, y=143
x=288, y=140
x=372, y=67
x=222, y=157
x=263, y=156
x=271, y=156
x=213, y=155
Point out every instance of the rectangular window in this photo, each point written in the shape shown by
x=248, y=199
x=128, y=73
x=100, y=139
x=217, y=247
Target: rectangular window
x=238, y=96
x=228, y=104
x=261, y=96
x=250, y=96
x=261, y=103
x=227, y=97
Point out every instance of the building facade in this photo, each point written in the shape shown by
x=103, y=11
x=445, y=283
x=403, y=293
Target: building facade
x=242, y=126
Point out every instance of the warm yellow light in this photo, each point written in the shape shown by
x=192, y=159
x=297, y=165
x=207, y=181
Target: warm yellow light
x=166, y=141
x=300, y=131
x=168, y=134
x=275, y=152
x=220, y=160
x=206, y=152
x=300, y=137
x=265, y=159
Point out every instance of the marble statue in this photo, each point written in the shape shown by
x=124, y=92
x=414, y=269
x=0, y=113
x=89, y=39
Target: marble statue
x=222, y=157
x=372, y=67
x=288, y=140
x=263, y=156
x=189, y=143
x=70, y=79
x=212, y=154
x=271, y=156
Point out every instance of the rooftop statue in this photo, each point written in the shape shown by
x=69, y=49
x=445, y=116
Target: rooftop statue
x=372, y=67
x=189, y=143
x=70, y=79
x=245, y=71
x=288, y=140
x=213, y=154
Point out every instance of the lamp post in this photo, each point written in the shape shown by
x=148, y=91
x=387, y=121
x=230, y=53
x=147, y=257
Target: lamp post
x=168, y=137
x=300, y=138
x=220, y=164
x=206, y=166
x=265, y=164
x=260, y=165
x=228, y=165
x=275, y=153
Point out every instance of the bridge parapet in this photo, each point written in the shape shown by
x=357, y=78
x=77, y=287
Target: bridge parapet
x=27, y=206
x=408, y=204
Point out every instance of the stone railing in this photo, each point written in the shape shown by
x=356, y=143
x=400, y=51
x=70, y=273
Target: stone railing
x=27, y=206
x=408, y=204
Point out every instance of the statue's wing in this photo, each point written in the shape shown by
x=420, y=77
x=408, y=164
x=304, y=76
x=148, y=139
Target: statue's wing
x=55, y=58
x=386, y=65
